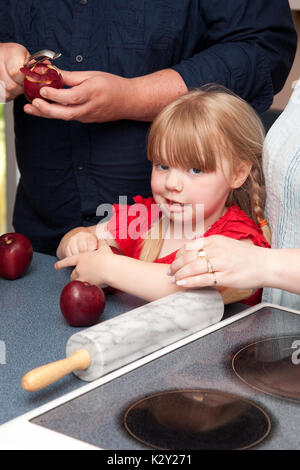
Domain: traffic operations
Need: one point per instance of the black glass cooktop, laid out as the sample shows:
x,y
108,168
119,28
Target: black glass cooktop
x,y
200,395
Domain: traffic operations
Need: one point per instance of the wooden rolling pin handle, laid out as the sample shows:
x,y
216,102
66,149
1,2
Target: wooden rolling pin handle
x,y
45,375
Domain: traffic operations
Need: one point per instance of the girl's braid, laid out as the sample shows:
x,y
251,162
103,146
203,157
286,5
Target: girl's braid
x,y
258,200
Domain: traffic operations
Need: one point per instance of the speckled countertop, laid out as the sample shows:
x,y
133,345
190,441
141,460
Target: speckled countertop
x,y
33,332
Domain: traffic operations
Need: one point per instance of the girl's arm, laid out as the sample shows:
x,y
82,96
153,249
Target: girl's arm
x,y
142,279
148,281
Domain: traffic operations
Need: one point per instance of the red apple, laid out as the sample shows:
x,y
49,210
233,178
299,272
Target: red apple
x,y
39,75
15,255
82,303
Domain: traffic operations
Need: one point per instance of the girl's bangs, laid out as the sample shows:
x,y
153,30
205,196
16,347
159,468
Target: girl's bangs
x,y
178,143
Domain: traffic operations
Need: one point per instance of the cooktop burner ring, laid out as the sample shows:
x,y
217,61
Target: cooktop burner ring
x,y
197,419
265,366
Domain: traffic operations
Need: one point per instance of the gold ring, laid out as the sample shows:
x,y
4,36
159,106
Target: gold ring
x,y
209,266
215,278
202,254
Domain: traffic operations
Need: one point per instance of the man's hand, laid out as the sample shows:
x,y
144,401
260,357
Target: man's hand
x,y
12,57
95,96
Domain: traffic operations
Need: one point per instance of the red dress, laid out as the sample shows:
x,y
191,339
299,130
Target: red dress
x,y
129,223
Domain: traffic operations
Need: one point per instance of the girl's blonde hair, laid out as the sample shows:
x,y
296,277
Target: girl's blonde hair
x,y
197,131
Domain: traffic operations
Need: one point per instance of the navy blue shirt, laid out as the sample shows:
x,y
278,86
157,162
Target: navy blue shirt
x,y
68,168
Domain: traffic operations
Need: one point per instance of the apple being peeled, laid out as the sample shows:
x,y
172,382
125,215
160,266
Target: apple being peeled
x,y
15,255
82,303
39,75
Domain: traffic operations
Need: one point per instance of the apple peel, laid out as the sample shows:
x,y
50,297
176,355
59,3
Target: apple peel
x,y
39,75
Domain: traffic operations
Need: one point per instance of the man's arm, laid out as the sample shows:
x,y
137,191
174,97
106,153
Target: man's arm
x,y
250,49
102,97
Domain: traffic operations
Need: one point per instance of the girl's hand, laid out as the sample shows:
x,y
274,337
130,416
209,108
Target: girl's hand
x,y
93,267
236,264
80,241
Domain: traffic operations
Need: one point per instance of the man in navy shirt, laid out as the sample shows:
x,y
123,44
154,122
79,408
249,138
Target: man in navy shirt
x,y
123,61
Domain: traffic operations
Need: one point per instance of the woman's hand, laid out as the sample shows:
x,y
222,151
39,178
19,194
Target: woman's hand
x,y
236,264
12,58
93,97
92,267
77,241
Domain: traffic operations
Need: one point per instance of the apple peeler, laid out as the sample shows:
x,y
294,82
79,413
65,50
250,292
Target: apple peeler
x,y
42,55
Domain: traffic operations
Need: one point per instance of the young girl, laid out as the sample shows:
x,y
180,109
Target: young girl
x,y
205,150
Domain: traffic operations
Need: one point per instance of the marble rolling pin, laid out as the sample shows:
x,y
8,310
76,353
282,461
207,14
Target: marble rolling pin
x,y
107,346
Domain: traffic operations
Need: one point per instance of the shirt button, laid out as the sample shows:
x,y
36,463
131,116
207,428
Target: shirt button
x,y
79,58
80,167
83,2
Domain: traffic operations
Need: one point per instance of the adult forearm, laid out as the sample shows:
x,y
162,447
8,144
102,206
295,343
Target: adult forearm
x,y
151,93
282,269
